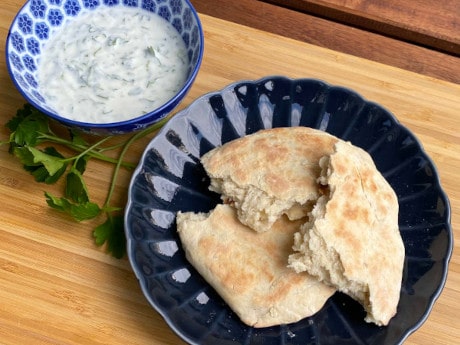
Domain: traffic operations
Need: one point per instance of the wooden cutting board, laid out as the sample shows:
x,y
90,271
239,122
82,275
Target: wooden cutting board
x,y
56,287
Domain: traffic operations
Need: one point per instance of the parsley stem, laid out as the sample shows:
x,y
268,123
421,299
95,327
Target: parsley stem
x,y
110,148
88,150
126,146
30,132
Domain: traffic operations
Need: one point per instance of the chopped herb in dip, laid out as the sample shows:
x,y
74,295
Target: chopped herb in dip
x,y
112,64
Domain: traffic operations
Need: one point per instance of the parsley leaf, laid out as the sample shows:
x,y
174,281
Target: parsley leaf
x,y
50,162
80,163
31,141
76,187
46,166
78,211
112,233
76,138
27,126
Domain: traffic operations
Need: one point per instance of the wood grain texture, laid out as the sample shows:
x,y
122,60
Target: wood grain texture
x,y
435,24
58,288
330,34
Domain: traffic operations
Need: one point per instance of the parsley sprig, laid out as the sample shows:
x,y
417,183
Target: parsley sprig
x,y
33,142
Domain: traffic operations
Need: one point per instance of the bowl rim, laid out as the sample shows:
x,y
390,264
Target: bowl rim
x,y
163,109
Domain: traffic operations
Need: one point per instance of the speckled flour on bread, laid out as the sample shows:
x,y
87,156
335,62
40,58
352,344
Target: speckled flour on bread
x,y
352,240
269,173
249,269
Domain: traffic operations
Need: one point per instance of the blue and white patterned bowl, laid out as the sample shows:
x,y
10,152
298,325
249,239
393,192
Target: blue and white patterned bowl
x,y
38,20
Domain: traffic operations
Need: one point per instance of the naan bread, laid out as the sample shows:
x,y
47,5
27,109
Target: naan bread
x,y
249,269
352,241
269,173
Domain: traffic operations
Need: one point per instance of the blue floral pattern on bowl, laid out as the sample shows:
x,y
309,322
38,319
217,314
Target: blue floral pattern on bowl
x,y
38,20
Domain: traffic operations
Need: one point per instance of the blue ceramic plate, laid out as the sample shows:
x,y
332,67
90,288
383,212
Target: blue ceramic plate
x,y
170,178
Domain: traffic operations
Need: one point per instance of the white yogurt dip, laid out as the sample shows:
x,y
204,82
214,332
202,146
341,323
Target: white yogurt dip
x,y
112,64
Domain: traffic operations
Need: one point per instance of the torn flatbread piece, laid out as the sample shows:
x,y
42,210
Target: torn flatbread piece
x,y
269,173
352,240
249,269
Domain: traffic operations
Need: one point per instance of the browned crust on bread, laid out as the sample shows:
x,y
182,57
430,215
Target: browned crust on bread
x,y
352,241
248,269
269,173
